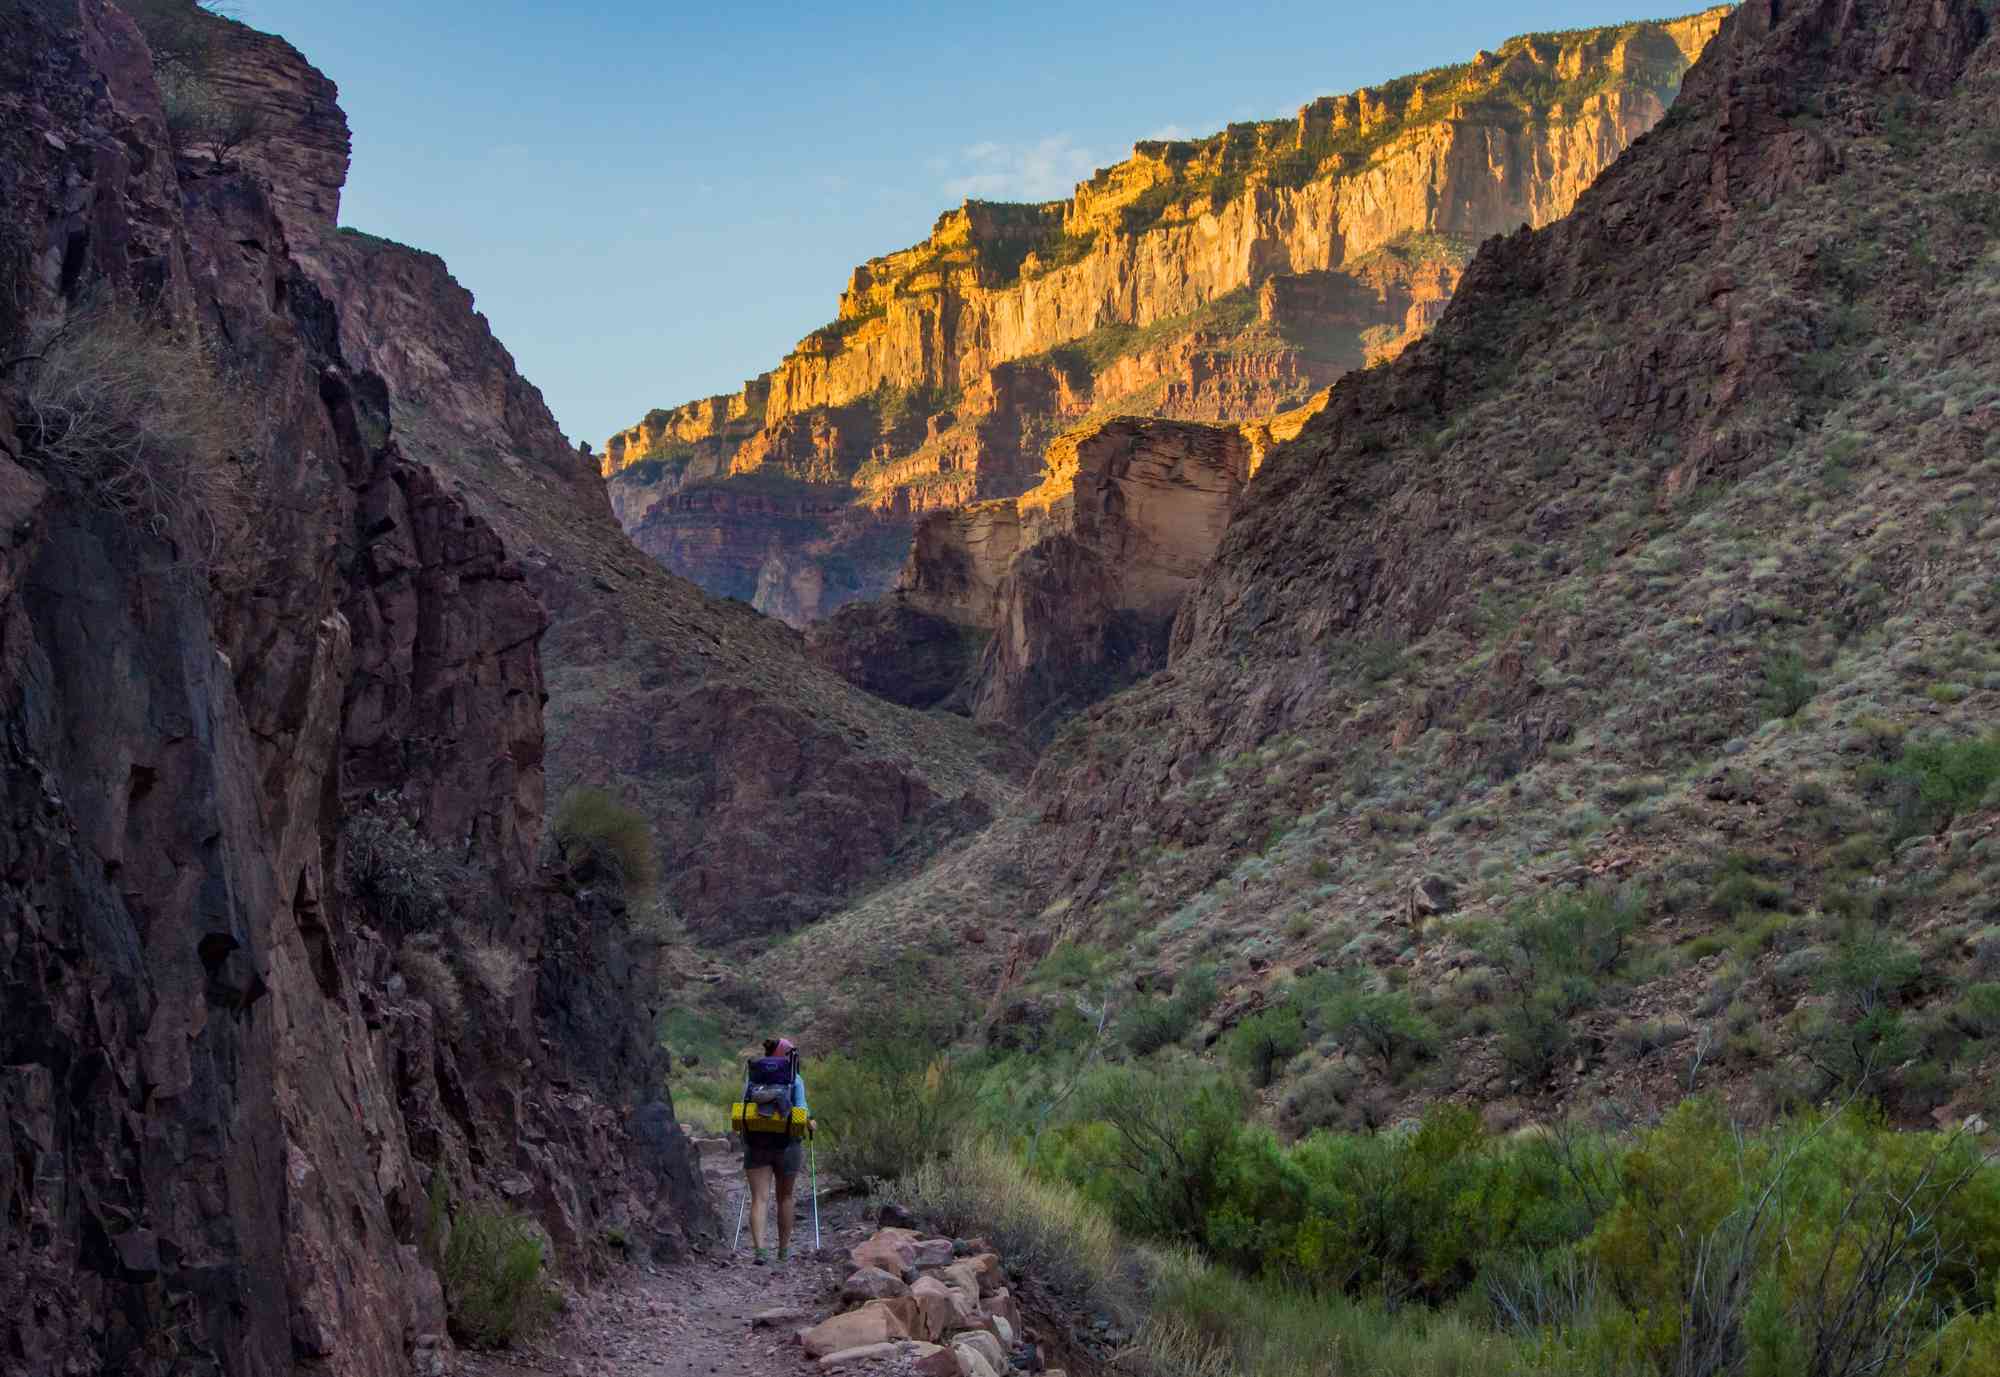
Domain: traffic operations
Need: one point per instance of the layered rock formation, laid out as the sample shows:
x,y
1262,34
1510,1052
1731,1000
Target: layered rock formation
x,y
227,1104
1021,610
1215,280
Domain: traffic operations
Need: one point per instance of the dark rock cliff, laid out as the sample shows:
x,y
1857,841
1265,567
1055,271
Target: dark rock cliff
x,y
223,1101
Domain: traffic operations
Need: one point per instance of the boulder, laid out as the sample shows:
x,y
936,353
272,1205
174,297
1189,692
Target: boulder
x,y
886,1352
872,1283
962,1277
1001,1303
944,1309
1001,1330
871,1324
894,1216
972,1363
988,1274
934,1252
892,1250
890,1351
782,1317
986,1346
941,1362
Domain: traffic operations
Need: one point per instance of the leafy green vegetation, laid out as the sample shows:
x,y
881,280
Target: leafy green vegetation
x,y
496,1286
1935,781
1831,1244
592,827
892,1102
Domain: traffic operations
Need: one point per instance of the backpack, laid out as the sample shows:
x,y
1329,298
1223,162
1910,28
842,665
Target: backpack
x,y
771,1086
767,1111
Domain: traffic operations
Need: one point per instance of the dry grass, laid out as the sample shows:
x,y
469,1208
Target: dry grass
x,y
145,421
1045,1228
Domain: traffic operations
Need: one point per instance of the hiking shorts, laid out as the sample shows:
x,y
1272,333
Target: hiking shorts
x,y
785,1156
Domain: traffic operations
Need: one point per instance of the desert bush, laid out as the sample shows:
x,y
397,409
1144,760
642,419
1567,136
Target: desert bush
x,y
1860,1032
201,119
1265,1041
1071,965
1147,1145
1788,686
591,827
431,978
496,1287
1153,1023
142,420
1935,781
1832,1248
1384,1025
405,883
893,1103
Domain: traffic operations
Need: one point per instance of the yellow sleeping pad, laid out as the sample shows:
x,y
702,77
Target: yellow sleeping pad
x,y
744,1117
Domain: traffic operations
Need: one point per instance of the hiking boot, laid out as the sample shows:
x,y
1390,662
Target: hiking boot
x,y
760,1259
784,1252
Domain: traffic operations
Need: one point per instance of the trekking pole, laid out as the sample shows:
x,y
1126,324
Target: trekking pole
x,y
812,1151
737,1237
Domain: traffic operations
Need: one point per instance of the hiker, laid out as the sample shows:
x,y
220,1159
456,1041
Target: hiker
x,y
774,1155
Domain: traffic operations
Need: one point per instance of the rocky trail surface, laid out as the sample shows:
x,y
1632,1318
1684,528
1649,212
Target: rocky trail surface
x,y
887,1290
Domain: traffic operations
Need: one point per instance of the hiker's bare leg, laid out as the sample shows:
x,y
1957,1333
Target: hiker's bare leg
x,y
785,1184
760,1196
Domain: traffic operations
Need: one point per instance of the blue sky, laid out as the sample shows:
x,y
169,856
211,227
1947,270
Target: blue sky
x,y
653,202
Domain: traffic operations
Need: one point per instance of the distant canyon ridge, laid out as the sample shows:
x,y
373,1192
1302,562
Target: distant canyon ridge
x,y
1216,280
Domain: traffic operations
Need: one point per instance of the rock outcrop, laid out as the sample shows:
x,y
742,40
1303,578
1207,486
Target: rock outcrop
x,y
1066,593
1216,280
227,1102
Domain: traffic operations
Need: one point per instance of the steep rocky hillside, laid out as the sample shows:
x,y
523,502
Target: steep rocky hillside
x,y
774,788
1664,564
1216,279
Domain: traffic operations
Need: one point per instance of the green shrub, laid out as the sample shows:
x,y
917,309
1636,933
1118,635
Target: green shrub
x,y
895,1102
1977,1011
1833,1247
1070,965
496,1289
591,827
1264,1042
1534,1037
1384,1025
1147,1144
1935,781
1787,685
1153,1024
1861,1033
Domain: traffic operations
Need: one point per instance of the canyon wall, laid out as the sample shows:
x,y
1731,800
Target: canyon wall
x,y
243,702
1021,610
1216,280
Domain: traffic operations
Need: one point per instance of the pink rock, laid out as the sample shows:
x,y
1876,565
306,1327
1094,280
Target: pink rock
x,y
856,1329
872,1283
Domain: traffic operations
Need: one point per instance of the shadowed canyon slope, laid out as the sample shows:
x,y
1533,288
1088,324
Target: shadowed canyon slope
x,y
1660,564
1216,280
294,653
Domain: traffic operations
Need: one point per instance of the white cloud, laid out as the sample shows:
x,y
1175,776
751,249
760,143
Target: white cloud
x,y
1041,171
1170,133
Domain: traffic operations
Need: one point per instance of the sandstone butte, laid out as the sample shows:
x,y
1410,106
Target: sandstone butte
x,y
1217,279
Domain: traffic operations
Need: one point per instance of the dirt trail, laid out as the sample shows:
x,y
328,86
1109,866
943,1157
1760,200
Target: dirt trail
x,y
695,1320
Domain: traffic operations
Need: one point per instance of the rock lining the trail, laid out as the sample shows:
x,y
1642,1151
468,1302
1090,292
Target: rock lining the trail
x,y
953,1315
